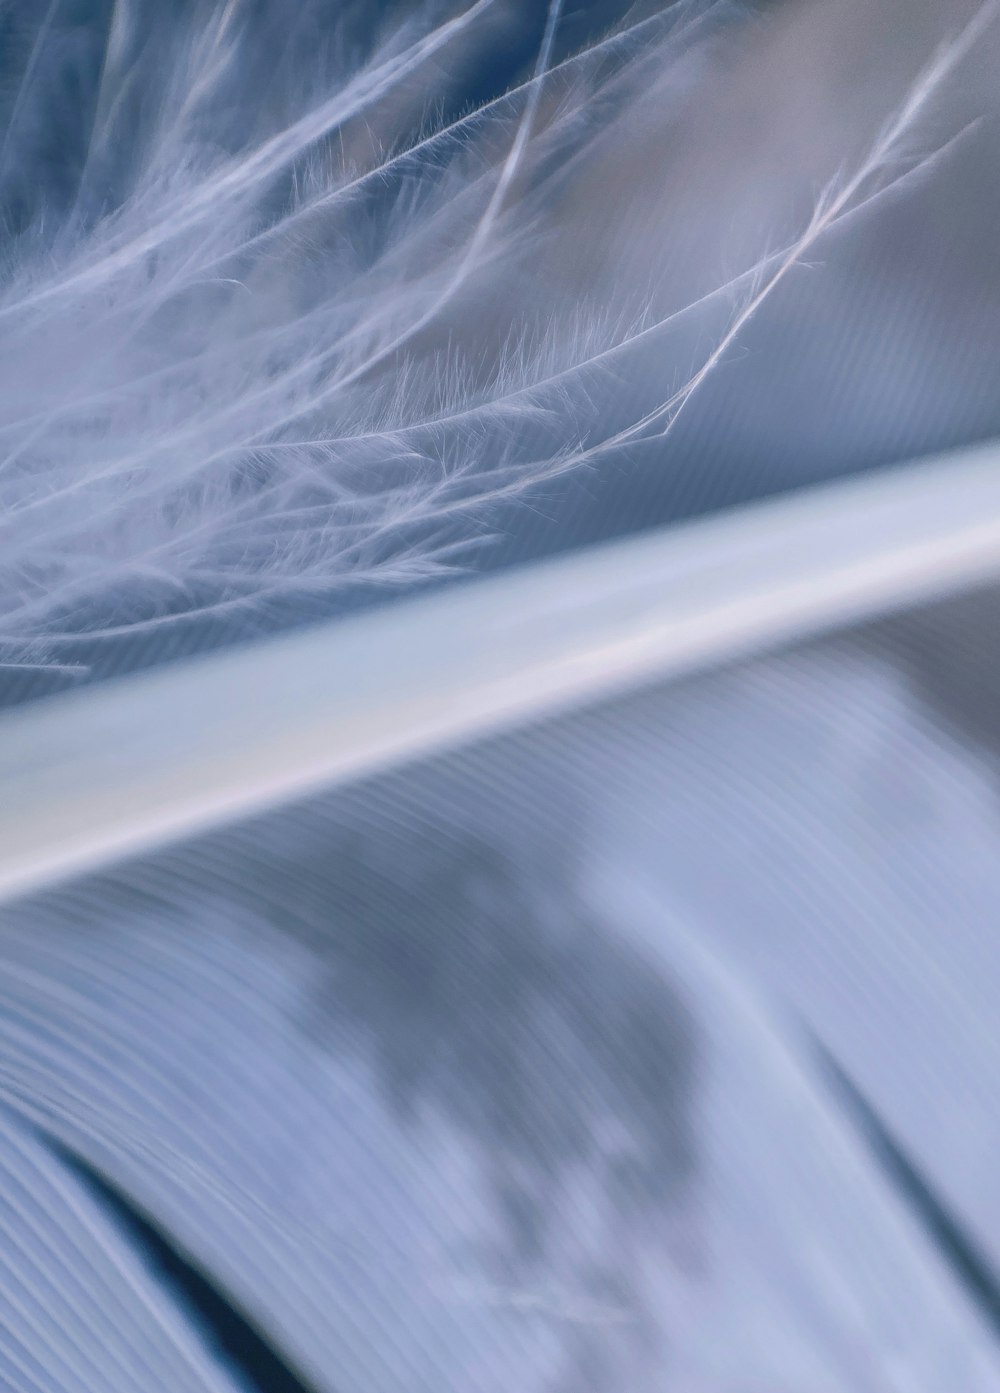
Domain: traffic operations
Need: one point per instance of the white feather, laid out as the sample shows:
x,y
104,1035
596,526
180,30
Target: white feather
x,y
231,372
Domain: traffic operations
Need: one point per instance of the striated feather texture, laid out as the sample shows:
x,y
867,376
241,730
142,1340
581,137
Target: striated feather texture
x,y
645,1049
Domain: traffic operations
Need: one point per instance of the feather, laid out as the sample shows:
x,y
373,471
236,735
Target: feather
x,y
236,371
110,773
487,1073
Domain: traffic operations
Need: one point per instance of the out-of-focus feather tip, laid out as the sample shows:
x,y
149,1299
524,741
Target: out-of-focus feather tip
x,y
236,367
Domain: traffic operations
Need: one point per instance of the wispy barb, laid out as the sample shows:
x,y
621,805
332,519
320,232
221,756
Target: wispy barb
x,y
229,371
